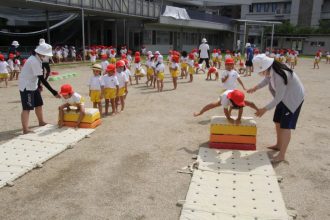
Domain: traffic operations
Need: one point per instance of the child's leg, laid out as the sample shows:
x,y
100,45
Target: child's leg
x,y
207,107
106,106
81,115
6,81
158,85
136,79
99,104
161,85
122,102
155,80
130,80
95,104
113,105
61,114
175,83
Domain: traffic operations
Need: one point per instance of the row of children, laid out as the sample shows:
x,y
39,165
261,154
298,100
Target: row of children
x,y
11,68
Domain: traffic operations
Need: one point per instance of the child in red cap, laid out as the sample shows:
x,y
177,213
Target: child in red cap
x,y
191,66
184,64
138,69
229,100
71,99
174,70
317,59
230,76
212,70
11,65
4,66
104,63
111,88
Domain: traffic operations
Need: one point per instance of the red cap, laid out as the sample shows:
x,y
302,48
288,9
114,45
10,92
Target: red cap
x,y
196,65
129,52
256,51
111,68
120,63
137,59
137,53
214,50
175,58
237,97
24,61
66,89
113,52
219,51
229,61
176,53
123,56
212,69
191,56
11,56
2,58
126,62
104,56
227,51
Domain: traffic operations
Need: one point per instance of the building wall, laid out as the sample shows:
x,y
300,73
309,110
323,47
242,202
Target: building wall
x,y
314,43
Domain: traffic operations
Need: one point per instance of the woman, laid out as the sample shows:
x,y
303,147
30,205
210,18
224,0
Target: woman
x,y
288,93
28,85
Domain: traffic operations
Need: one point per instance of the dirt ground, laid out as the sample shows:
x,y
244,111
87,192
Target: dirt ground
x,y
127,169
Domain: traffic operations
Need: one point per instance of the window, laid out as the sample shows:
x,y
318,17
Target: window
x,y
274,7
258,6
251,8
313,43
266,7
163,37
321,44
147,37
171,37
154,37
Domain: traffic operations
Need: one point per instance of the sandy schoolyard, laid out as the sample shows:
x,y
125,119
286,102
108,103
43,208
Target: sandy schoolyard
x,y
127,169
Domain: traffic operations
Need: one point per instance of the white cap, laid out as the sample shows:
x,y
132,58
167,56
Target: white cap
x,y
160,58
261,62
42,41
157,53
204,40
15,43
149,52
247,45
44,49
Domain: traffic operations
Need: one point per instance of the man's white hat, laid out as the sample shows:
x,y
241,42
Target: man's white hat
x,y
42,41
15,43
44,49
247,45
204,40
261,62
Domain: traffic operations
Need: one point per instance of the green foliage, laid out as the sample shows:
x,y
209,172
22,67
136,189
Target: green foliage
x,y
289,29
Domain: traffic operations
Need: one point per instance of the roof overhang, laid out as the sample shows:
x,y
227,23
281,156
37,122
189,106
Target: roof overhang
x,y
212,3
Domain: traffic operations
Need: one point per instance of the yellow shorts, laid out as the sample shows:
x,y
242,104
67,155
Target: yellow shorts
x,y
137,73
184,65
175,73
95,95
121,92
150,71
214,60
4,75
160,76
113,60
191,70
110,93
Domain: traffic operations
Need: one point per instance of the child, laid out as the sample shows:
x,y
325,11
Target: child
x,y
71,98
96,87
104,63
174,70
113,57
93,57
160,69
219,58
327,57
291,59
212,70
128,72
242,67
317,60
191,67
230,76
111,88
4,66
123,81
129,58
17,68
138,69
214,57
229,100
10,62
228,55
184,65
150,70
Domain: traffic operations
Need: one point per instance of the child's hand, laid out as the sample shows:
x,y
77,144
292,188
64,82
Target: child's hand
x,y
260,112
238,121
252,90
232,121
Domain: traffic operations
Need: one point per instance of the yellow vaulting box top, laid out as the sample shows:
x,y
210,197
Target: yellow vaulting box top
x,y
222,120
91,115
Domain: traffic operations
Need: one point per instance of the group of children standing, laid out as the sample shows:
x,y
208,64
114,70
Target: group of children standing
x,y
10,69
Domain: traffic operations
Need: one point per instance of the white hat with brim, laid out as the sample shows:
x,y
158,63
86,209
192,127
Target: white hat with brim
x,y
15,43
97,67
261,62
42,41
44,49
204,40
247,45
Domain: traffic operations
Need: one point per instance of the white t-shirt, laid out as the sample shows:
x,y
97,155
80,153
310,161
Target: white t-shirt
x,y
73,100
150,63
175,65
95,83
190,62
232,79
110,81
215,55
224,101
11,64
28,79
227,56
184,59
122,79
204,50
160,68
4,67
17,65
104,65
93,58
128,73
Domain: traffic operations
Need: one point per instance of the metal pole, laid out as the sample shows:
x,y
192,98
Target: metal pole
x,y
262,39
272,39
83,33
47,23
244,37
124,31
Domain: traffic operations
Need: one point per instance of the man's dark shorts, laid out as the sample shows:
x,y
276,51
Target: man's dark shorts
x,y
31,99
248,63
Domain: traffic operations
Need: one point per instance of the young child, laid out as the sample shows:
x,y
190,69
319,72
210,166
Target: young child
x,y
230,76
129,58
174,70
242,67
214,56
111,89
291,59
212,70
138,69
150,69
17,68
104,63
96,87
184,64
219,58
327,57
4,66
123,81
93,57
317,60
191,67
230,100
113,56
160,69
10,62
228,54
71,99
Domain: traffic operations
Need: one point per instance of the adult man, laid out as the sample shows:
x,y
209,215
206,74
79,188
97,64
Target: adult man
x,y
28,85
204,53
249,58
